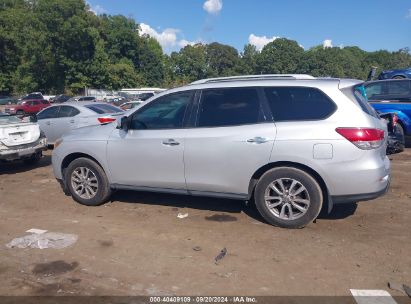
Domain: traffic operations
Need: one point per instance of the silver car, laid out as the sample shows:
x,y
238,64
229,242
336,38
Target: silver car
x,y
60,119
293,143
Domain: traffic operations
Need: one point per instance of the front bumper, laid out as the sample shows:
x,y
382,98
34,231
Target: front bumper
x,y
23,151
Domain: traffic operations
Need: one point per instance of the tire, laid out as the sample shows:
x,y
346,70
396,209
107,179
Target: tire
x,y
398,77
308,197
34,159
85,170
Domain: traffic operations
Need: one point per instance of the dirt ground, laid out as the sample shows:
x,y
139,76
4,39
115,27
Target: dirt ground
x,y
136,245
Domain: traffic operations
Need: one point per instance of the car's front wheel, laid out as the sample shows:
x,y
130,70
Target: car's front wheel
x,y
288,197
87,182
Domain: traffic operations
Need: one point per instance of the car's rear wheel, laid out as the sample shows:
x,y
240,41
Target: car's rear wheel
x,y
398,77
87,182
288,197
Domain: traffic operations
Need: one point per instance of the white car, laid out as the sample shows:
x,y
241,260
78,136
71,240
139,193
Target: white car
x,y
20,140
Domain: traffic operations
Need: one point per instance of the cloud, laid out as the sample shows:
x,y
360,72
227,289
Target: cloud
x,y
97,9
260,41
168,38
213,6
327,43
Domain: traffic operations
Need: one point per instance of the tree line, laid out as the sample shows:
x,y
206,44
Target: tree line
x,y
57,46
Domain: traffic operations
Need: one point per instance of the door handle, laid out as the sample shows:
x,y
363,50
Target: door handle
x,y
170,142
257,140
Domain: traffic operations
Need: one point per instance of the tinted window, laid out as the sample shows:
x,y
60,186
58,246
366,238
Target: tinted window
x,y
298,103
50,112
375,90
166,112
103,108
45,102
66,111
36,102
399,88
229,107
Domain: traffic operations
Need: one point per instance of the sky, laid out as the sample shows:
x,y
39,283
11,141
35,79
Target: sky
x,y
370,24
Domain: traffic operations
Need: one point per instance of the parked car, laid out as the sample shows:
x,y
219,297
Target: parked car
x,y
293,142
31,96
27,107
392,96
83,98
20,140
57,120
395,74
60,98
396,138
130,105
7,100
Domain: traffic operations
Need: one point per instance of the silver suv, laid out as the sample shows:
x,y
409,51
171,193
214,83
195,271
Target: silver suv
x,y
293,143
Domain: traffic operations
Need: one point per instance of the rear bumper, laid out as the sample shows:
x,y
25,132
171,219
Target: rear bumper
x,y
23,151
353,198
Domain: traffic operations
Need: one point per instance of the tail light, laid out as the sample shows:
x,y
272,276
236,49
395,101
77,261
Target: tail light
x,y
394,119
363,138
105,120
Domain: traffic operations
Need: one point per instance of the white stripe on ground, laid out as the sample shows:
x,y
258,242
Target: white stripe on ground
x,y
363,296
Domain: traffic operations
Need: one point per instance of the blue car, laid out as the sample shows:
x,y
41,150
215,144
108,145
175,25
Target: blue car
x,y
396,74
392,96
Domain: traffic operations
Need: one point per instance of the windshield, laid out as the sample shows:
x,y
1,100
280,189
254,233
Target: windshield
x,y
103,108
5,120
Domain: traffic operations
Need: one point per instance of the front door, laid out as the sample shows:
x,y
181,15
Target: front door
x,y
150,153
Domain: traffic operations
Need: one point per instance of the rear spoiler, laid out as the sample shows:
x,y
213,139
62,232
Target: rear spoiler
x,y
345,83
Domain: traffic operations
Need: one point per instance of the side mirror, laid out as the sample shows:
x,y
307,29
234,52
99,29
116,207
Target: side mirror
x,y
33,118
122,123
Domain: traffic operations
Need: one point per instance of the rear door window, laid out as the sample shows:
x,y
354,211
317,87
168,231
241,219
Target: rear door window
x,y
298,103
229,107
399,89
67,111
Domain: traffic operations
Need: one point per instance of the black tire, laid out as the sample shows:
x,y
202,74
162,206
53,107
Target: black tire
x,y
398,77
34,159
312,189
103,191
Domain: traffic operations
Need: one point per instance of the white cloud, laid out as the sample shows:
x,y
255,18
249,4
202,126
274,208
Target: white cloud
x,y
97,9
213,6
260,41
168,38
327,43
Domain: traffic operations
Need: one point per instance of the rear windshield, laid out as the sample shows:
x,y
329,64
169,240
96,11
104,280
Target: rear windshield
x,y
103,108
358,95
5,120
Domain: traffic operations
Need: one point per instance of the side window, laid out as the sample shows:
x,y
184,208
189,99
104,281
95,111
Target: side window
x,y
399,88
229,107
45,102
166,112
35,102
374,91
299,103
48,113
67,111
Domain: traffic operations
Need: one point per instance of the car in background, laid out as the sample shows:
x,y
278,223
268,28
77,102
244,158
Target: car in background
x,y
130,105
60,119
395,74
82,98
7,100
20,140
31,96
293,143
27,107
392,96
60,98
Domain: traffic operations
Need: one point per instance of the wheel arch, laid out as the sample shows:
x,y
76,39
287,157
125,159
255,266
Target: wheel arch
x,y
260,172
71,157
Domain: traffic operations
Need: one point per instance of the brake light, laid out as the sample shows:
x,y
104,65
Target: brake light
x,y
363,138
105,120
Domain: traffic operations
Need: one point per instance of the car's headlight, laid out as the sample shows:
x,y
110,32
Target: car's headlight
x,y
58,143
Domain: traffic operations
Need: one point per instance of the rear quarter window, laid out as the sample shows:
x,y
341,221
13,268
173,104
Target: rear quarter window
x,y
299,103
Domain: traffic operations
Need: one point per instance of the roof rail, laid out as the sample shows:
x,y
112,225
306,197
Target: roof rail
x,y
256,77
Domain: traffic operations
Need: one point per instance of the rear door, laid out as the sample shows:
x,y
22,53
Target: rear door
x,y
47,120
231,139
